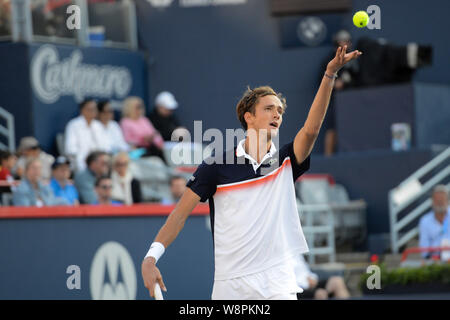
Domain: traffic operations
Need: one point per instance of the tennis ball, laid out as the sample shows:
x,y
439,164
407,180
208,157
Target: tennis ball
x,y
360,19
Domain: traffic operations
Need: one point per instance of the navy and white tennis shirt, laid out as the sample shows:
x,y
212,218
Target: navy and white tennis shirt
x,y
253,209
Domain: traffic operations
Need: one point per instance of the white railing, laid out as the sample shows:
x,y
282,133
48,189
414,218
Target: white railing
x,y
308,211
7,131
410,191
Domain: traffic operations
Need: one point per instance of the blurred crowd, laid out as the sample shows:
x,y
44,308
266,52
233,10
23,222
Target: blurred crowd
x,y
93,166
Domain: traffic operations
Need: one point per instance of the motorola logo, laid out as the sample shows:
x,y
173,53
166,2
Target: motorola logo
x,y
112,275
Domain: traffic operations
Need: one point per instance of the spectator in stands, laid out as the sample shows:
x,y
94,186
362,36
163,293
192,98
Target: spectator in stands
x,y
177,187
32,191
7,163
333,287
5,17
163,116
29,148
138,130
84,134
111,128
98,165
126,188
103,187
434,226
346,79
61,185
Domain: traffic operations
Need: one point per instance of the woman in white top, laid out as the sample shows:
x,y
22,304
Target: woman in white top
x,y
112,130
126,188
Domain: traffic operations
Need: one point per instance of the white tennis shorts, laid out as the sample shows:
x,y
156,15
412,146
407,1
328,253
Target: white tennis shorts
x,y
276,283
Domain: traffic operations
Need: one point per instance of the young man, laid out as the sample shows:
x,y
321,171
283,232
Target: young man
x,y
256,228
61,185
103,188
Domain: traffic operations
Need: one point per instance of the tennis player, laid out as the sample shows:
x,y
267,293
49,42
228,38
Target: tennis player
x,y
256,228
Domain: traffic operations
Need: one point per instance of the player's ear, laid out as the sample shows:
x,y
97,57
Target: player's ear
x,y
248,117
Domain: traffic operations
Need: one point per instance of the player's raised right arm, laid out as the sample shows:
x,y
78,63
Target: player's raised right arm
x,y
166,235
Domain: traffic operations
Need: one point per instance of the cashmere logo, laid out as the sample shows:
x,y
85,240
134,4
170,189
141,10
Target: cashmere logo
x,y
52,77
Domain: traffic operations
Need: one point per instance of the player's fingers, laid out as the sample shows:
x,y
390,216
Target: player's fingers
x,y
161,284
338,51
355,54
151,289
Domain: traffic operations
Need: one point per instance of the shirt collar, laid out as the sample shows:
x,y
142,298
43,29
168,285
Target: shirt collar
x,y
240,152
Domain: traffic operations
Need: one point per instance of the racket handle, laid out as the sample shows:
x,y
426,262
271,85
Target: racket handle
x,y
158,293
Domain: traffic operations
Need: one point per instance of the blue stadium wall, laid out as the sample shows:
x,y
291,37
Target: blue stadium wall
x,y
207,55
108,250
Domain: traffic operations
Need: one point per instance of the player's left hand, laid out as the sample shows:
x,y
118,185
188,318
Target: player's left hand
x,y
341,58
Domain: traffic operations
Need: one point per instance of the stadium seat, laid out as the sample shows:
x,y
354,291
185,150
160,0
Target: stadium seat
x,y
154,177
349,215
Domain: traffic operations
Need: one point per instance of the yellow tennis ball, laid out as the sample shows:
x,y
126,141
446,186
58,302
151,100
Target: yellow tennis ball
x,y
361,19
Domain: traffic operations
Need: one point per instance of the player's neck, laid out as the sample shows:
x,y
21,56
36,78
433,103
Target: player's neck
x,y
257,148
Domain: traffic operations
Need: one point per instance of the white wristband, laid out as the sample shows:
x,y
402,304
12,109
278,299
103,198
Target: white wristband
x,y
156,251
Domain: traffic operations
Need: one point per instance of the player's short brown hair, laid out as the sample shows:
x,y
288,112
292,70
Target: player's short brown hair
x,y
250,99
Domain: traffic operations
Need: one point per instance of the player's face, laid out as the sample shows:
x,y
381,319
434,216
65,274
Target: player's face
x,y
268,115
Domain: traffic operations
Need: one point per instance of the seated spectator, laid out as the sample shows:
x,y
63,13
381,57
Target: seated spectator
x,y
97,166
103,188
433,226
32,191
163,117
111,128
126,188
84,134
177,187
333,287
29,148
61,185
138,130
7,163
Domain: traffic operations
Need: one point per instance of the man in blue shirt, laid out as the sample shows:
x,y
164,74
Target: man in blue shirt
x,y
60,184
433,226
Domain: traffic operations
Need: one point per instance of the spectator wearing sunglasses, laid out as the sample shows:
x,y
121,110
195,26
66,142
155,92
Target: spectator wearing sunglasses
x,y
103,188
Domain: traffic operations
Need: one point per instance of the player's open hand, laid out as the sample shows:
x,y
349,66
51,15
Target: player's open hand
x,y
151,275
341,58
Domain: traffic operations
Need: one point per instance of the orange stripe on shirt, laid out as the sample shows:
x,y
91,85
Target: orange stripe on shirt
x,y
253,183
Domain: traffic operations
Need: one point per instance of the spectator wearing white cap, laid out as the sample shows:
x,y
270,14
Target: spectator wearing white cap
x,y
163,117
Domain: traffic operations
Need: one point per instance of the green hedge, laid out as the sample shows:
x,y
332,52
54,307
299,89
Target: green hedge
x,y
434,273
